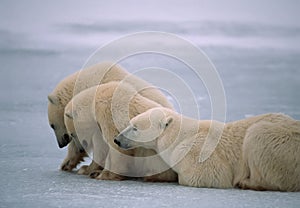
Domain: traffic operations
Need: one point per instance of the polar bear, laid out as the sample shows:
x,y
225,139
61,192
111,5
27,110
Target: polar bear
x,y
95,116
81,80
259,153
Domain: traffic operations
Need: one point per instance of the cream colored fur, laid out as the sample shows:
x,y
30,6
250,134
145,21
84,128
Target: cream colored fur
x,y
96,115
259,153
70,86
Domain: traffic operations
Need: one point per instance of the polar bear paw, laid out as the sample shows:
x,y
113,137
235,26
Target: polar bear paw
x,y
70,163
248,184
95,173
83,170
107,175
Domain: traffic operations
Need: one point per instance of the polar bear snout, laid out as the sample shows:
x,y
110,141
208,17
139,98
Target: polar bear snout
x,y
117,142
122,142
64,141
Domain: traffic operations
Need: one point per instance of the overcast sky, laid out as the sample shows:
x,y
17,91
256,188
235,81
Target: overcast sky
x,y
35,22
27,14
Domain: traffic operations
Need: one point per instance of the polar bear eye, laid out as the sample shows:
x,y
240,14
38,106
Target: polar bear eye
x,y
134,128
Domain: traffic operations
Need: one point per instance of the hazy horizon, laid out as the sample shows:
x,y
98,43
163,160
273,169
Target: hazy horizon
x,y
87,25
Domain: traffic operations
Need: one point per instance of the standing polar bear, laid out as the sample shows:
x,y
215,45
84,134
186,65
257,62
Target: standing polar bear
x,y
96,115
70,86
260,153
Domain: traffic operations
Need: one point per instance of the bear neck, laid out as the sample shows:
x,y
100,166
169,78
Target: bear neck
x,y
140,104
65,89
181,128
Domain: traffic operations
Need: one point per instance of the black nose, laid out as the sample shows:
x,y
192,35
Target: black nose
x,y
117,142
64,141
67,139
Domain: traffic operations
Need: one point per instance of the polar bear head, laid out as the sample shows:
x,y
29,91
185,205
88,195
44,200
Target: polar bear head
x,y
70,123
56,120
145,129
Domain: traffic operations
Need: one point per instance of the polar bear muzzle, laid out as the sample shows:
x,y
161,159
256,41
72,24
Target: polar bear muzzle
x,y
122,142
64,141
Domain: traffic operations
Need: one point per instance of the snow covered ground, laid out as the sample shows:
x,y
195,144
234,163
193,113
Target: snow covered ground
x,y
257,62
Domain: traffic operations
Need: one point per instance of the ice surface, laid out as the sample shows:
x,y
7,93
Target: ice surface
x,y
30,178
29,156
258,64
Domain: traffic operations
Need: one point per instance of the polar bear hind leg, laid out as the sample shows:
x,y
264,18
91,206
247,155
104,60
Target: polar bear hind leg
x,y
272,153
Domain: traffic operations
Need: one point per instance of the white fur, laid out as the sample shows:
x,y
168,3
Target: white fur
x,y
98,74
97,115
259,153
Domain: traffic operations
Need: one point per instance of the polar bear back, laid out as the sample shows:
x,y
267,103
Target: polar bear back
x,y
106,72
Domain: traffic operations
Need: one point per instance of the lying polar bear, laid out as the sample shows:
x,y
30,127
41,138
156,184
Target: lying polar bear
x,y
260,153
95,116
70,86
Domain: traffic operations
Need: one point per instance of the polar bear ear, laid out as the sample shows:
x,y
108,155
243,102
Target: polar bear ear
x,y
166,122
53,99
69,115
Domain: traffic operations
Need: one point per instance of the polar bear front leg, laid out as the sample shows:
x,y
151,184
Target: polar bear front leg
x,y
166,176
73,158
107,175
100,151
116,166
88,169
99,157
